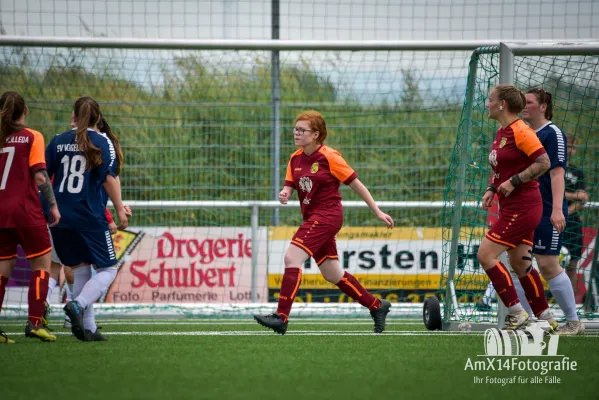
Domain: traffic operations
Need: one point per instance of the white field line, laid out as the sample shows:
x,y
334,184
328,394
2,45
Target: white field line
x,y
220,322
321,320
107,323
292,333
289,333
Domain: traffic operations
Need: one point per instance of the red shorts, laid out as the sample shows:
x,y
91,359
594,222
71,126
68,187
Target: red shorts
x,y
516,226
317,238
35,241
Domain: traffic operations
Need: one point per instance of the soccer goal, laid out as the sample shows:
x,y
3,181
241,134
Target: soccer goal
x,y
570,71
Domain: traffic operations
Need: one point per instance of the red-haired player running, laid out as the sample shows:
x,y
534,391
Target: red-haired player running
x,y
518,159
316,171
22,175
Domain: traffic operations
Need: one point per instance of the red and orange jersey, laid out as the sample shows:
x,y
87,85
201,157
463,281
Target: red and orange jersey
x,y
514,149
21,156
317,178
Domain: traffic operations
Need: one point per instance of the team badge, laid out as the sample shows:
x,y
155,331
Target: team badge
x,y
305,184
314,168
503,142
493,158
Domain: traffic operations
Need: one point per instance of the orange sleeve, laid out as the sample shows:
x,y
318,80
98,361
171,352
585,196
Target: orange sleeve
x,y
37,154
339,168
289,175
527,140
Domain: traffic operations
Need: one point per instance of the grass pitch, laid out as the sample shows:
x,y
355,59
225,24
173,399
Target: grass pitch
x,y
316,359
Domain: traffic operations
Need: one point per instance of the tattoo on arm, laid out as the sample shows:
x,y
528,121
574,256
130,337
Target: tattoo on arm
x,y
537,168
45,187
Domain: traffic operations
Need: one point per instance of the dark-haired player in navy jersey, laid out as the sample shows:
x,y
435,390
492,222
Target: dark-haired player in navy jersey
x,y
549,234
83,162
57,266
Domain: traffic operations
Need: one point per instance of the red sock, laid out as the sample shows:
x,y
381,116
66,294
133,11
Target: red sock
x,y
351,287
502,281
291,282
3,282
535,292
38,290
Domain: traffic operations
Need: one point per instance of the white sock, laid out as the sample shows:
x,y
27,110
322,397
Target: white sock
x,y
545,315
490,294
93,289
89,319
515,309
82,275
51,286
561,288
69,290
522,295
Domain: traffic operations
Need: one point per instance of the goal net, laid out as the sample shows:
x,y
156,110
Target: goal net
x,y
573,80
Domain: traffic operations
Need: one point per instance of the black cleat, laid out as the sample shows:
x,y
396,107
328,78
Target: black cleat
x,y
272,321
379,316
94,337
75,313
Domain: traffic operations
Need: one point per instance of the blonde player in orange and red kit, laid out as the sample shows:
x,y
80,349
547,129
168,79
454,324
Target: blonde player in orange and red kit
x,y
316,171
517,158
22,175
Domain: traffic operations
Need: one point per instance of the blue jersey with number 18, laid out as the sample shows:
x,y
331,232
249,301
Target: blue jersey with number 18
x,y
78,189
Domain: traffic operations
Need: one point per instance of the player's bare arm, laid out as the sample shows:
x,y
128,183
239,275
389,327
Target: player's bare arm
x,y
128,210
363,192
577,198
536,169
540,165
558,188
285,194
579,195
487,198
112,187
44,185
489,194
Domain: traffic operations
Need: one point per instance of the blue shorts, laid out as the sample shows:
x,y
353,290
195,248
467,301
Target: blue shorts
x,y
547,240
90,247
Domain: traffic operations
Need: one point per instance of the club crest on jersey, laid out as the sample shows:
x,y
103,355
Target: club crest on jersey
x,y
305,184
493,158
503,142
314,168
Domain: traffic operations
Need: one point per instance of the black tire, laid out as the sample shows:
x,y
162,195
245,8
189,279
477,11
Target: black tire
x,y
431,313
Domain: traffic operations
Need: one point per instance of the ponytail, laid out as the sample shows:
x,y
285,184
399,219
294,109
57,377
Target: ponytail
x,y
87,112
12,107
523,98
120,159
